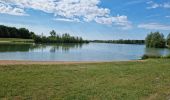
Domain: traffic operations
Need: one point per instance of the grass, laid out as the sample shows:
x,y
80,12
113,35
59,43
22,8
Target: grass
x,y
15,40
136,80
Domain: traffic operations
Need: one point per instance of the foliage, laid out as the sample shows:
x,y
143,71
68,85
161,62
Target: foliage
x,y
168,40
12,32
53,33
155,40
168,56
145,56
150,56
55,38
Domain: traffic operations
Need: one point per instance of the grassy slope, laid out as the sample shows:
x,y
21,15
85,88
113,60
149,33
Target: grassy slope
x,y
15,40
145,80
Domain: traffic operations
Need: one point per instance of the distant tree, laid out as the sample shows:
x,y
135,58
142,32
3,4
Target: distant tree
x,y
53,33
4,31
56,38
12,32
24,33
155,40
32,35
168,40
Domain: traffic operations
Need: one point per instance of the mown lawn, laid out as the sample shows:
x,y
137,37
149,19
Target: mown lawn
x,y
138,80
15,40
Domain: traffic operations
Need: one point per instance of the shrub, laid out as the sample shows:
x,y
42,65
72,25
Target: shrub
x,y
150,56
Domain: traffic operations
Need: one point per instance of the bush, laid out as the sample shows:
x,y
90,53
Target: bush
x,y
167,56
150,56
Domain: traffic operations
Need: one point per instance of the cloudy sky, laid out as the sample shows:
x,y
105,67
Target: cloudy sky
x,y
91,19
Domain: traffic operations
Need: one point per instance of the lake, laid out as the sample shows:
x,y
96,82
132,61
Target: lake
x,y
77,52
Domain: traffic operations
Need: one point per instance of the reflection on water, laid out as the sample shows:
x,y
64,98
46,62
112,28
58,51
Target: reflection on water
x,y
64,47
77,52
16,47
157,51
31,47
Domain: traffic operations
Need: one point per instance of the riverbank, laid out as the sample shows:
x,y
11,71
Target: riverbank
x,y
16,40
129,80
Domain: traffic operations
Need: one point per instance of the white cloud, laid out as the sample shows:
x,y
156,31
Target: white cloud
x,y
117,20
166,5
154,5
167,16
67,20
122,21
69,10
104,20
4,8
154,26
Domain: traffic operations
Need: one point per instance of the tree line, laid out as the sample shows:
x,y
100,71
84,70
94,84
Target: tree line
x,y
120,41
13,32
154,39
56,38
157,40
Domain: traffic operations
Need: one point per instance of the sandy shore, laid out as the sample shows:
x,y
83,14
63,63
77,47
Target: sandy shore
x,y
13,62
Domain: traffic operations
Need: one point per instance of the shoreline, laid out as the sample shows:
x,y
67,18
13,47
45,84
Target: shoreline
x,y
22,62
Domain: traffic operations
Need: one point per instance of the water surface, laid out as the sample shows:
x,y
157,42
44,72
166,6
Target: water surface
x,y
77,52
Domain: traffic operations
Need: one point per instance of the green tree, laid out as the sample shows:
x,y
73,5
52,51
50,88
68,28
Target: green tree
x,y
168,40
148,40
24,33
12,32
53,33
155,40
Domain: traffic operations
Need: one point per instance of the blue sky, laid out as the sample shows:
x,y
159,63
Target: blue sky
x,y
91,19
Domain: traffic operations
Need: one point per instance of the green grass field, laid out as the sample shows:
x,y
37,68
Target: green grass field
x,y
134,80
15,40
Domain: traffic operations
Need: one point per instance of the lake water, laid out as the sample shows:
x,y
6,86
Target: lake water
x,y
77,52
